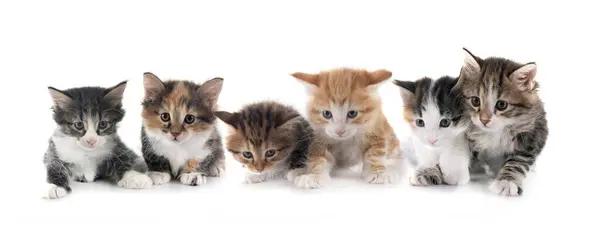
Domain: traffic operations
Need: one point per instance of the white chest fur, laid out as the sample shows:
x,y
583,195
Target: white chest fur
x,y
492,143
85,161
179,153
347,153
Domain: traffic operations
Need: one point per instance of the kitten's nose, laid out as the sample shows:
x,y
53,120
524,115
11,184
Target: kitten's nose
x,y
340,132
432,141
484,121
91,142
175,134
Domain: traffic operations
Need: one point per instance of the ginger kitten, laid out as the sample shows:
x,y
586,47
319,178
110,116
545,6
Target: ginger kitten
x,y
344,109
179,133
268,138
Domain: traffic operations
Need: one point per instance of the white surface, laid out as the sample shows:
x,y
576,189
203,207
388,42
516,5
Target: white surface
x,y
254,45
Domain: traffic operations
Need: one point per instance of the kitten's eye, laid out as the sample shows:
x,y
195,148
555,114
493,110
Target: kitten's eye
x,y
475,101
352,114
78,125
102,125
445,123
327,114
270,153
165,117
420,123
247,155
189,119
501,105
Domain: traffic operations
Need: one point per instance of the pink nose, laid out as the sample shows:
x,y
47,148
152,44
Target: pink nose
x,y
340,132
432,141
90,142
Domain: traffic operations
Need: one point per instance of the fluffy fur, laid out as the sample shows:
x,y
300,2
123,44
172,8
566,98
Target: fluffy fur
x,y
508,116
268,138
179,134
434,111
344,109
85,145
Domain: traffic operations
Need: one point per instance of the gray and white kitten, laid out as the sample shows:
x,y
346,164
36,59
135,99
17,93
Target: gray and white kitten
x,y
85,145
435,113
179,133
508,116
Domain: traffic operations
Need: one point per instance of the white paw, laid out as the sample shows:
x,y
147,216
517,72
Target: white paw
x,y
159,178
417,180
193,179
135,180
252,178
459,178
292,174
381,178
311,181
505,188
54,192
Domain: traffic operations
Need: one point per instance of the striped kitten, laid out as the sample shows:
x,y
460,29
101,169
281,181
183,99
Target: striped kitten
x,y
85,146
344,109
434,111
179,133
508,117
268,138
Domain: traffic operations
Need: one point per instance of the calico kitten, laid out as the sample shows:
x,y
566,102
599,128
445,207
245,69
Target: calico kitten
x,y
508,117
268,138
179,133
85,145
344,109
434,111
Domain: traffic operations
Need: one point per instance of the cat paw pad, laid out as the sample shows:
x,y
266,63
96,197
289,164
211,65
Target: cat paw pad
x,y
311,181
54,192
135,180
505,188
159,178
193,179
381,178
253,179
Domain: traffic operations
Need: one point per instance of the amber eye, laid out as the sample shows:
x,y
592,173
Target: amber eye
x,y
270,153
352,114
247,155
165,117
189,119
501,105
78,125
327,114
102,125
475,101
420,123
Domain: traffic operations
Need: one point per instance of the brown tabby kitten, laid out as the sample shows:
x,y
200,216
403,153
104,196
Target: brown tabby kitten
x,y
268,138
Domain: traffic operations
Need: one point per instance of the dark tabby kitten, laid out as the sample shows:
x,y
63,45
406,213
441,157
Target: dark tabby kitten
x,y
508,117
270,139
434,111
179,133
85,144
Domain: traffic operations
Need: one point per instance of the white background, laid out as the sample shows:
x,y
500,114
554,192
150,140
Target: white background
x,y
255,45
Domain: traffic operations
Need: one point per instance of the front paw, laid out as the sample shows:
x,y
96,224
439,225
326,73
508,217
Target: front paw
x,y
506,188
252,178
385,177
54,192
193,178
426,177
458,178
217,170
85,178
135,180
312,181
292,174
159,178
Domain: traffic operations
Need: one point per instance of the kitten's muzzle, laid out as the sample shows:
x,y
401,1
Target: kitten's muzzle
x,y
91,142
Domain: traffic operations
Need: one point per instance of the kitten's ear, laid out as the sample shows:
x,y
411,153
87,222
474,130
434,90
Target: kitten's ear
x,y
310,81
471,65
59,98
210,91
231,119
524,77
114,95
285,120
407,91
153,86
379,76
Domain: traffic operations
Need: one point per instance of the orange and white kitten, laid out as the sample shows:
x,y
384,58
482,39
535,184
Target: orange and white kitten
x,y
344,109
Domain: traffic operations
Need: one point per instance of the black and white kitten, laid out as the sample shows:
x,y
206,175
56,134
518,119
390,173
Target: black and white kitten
x,y
435,113
85,145
508,116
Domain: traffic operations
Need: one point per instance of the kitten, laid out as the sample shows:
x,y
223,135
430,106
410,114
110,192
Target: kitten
x,y
179,133
85,145
269,139
508,117
434,111
344,109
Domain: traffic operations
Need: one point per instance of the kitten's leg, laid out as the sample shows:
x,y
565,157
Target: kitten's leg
x,y
128,169
158,168
318,168
454,166
428,171
57,177
377,167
